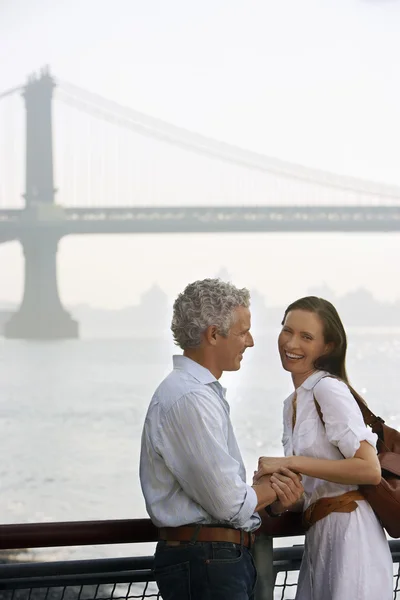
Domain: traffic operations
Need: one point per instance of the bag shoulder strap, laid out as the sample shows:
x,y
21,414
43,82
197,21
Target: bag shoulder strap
x,y
369,417
319,411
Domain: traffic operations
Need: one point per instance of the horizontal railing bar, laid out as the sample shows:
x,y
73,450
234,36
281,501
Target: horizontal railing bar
x,y
122,531
296,552
110,571
290,553
286,565
77,580
81,533
76,533
67,567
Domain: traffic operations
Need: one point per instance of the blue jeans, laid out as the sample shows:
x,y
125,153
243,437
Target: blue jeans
x,y
204,571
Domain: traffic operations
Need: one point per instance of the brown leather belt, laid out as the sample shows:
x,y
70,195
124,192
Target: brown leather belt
x,y
323,507
186,533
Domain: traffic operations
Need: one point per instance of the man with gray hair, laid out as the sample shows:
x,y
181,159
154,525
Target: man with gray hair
x,y
191,471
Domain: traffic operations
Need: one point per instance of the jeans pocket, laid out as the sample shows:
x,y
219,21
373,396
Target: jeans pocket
x,y
230,555
173,581
232,577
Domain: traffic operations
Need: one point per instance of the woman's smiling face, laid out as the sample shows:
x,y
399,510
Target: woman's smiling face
x,y
301,342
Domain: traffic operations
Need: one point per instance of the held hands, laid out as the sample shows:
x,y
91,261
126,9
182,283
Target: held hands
x,y
269,465
286,484
288,487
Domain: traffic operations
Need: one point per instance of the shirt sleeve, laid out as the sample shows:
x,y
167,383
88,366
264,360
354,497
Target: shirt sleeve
x,y
344,423
192,441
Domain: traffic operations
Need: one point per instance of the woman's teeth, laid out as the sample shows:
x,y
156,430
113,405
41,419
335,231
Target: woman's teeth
x,y
293,356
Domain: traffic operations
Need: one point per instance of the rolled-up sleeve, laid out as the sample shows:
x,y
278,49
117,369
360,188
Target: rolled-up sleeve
x,y
193,444
344,424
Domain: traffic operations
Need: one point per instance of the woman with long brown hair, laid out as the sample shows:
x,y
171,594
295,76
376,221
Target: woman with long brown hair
x,y
326,440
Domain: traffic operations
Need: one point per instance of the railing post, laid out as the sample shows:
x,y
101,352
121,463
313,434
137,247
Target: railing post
x,y
263,558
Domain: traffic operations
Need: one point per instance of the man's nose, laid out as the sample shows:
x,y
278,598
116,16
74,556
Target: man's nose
x,y
249,341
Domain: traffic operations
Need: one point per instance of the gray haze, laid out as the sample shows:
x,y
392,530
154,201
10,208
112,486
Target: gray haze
x,y
314,83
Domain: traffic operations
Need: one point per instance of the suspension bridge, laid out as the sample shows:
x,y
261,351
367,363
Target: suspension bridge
x,y
120,171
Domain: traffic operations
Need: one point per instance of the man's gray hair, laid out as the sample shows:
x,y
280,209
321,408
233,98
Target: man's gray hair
x,y
204,303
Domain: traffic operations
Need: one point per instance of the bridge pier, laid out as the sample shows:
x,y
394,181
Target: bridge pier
x,y
41,314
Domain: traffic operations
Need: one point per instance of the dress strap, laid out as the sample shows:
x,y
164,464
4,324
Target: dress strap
x,y
294,410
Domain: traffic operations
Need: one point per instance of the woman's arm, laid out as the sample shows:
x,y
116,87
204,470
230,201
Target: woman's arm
x,y
345,429
363,468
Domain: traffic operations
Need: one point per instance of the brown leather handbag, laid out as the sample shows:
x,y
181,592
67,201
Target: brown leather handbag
x,y
384,498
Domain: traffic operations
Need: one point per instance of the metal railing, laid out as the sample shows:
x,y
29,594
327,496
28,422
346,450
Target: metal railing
x,y
132,577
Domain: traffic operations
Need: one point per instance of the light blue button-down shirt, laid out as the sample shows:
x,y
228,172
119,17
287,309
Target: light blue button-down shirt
x,y
191,469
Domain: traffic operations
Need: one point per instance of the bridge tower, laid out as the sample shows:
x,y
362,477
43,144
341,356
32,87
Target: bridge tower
x,y
41,314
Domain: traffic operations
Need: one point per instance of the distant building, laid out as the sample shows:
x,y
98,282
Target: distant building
x,y
152,316
5,315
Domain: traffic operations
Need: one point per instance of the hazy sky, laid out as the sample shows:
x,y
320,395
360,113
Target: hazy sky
x,y
315,82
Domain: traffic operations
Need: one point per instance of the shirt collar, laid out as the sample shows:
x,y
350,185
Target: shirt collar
x,y
200,373
313,379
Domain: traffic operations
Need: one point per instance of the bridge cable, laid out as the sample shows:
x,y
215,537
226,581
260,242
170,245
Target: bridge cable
x,y
183,138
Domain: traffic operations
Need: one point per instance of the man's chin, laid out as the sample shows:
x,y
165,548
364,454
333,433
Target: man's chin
x,y
234,367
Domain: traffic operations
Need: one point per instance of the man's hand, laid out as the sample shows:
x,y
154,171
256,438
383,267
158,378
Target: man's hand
x,y
264,492
261,480
288,488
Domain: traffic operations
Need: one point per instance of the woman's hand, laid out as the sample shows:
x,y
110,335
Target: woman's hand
x,y
288,488
269,465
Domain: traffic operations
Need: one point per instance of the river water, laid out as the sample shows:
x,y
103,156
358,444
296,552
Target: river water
x,y
71,415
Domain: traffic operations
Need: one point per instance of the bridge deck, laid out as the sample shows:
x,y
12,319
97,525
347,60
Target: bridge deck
x,y
200,219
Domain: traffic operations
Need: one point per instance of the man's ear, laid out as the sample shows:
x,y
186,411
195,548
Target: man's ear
x,y
210,334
